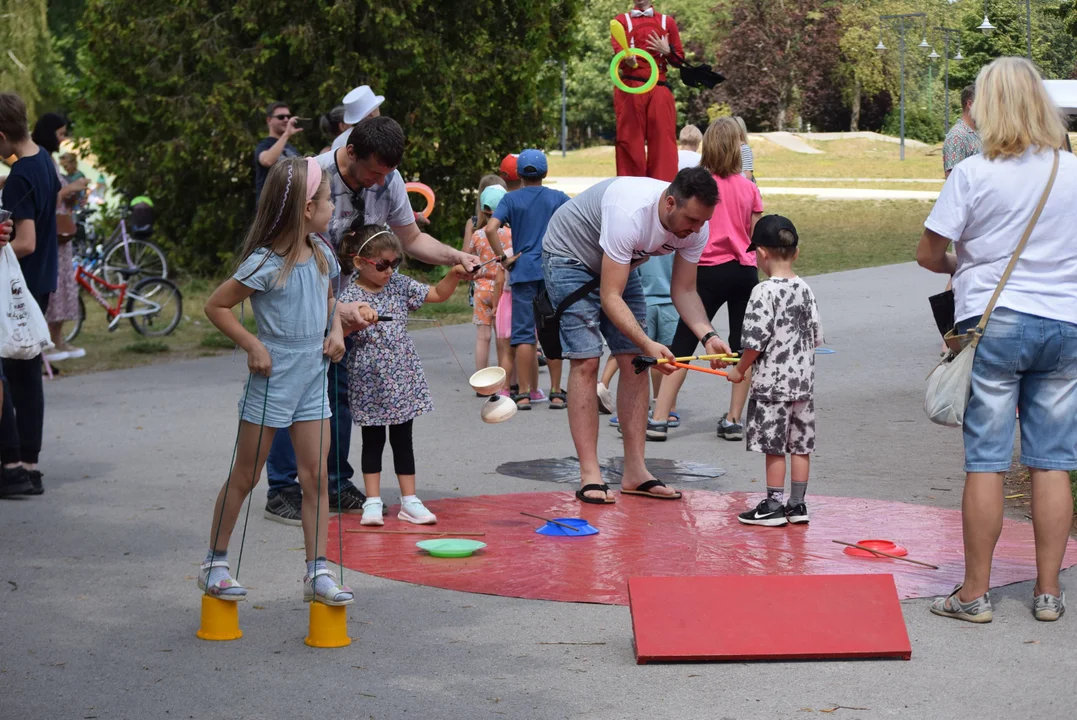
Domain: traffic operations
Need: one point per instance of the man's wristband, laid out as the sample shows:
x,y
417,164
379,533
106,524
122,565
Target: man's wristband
x,y
703,340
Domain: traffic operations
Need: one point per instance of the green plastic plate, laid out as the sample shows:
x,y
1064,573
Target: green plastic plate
x,y
450,547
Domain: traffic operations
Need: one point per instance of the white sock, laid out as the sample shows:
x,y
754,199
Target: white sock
x,y
408,498
374,499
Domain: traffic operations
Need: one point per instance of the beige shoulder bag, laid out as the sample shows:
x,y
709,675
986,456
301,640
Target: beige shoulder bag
x,y
949,383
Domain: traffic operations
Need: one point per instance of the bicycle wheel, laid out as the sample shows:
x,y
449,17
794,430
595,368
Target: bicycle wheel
x,y
148,259
76,325
158,304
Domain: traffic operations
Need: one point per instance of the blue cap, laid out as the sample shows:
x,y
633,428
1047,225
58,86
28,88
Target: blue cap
x,y
491,196
531,164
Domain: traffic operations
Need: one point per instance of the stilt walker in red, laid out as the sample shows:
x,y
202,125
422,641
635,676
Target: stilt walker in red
x,y
647,123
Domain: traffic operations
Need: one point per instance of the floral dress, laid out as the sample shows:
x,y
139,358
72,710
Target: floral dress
x,y
386,384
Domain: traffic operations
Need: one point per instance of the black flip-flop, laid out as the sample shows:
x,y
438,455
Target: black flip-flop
x,y
594,501
643,489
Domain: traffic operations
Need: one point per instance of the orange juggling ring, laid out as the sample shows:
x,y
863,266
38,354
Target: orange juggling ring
x,y
426,192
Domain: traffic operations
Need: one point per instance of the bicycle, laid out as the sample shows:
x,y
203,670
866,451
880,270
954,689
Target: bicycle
x,y
147,302
123,252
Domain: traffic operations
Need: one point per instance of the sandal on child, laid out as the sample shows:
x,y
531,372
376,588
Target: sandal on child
x,y
335,595
223,589
518,397
559,395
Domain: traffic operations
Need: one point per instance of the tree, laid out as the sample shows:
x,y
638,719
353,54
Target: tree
x,y
778,52
174,101
26,59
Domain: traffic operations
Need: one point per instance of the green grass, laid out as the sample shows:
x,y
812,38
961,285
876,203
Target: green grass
x,y
840,159
844,235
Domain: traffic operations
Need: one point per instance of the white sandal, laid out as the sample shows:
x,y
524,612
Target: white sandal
x,y
331,598
219,588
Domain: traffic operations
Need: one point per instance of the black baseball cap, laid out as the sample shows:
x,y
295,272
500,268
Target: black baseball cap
x,y
767,232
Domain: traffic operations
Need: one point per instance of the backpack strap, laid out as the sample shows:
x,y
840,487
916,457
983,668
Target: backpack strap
x,y
578,294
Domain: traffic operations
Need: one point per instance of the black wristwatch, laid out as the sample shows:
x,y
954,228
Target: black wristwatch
x,y
703,340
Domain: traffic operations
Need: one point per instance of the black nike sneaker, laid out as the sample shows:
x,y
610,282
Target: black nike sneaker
x,y
768,513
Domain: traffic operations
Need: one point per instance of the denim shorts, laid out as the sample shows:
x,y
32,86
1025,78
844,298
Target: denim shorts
x,y
583,324
523,312
662,323
1029,364
297,386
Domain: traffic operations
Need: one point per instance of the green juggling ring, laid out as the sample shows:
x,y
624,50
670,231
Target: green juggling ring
x,y
620,84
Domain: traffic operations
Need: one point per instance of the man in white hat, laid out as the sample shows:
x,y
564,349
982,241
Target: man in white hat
x,y
358,104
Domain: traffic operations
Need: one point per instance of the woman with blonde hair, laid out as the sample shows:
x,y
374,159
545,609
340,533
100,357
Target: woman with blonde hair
x,y
1026,360
727,270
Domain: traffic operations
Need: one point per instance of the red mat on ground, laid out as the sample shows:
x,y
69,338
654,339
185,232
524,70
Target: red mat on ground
x,y
698,535
741,617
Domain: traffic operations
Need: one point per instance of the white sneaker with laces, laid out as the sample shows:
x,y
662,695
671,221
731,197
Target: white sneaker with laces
x,y
373,513
413,511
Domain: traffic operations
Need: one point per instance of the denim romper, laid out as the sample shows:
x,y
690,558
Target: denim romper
x,y
291,320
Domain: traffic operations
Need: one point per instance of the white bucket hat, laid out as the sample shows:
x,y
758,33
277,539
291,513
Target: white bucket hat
x,y
359,103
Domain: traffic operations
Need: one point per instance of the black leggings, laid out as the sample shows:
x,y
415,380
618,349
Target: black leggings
x,y
374,444
717,285
23,418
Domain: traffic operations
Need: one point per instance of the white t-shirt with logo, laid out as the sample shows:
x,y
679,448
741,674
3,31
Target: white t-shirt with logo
x,y
618,218
984,208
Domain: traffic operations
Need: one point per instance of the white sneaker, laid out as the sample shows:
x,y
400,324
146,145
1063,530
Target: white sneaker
x,y
413,511
372,513
605,400
74,353
58,355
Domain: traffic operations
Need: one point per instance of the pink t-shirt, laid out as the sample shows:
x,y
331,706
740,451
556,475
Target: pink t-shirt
x,y
731,225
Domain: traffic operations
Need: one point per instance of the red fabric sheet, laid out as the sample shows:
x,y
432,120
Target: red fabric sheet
x,y
698,535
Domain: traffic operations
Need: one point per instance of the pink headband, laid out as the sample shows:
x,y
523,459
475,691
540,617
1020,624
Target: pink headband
x,y
314,177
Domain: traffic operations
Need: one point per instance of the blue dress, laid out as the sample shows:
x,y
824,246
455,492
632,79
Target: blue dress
x,y
292,317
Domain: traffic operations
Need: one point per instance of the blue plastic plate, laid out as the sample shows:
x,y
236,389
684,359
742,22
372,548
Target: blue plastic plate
x,y
585,528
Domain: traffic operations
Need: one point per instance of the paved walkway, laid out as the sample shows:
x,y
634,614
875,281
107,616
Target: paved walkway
x,y
98,603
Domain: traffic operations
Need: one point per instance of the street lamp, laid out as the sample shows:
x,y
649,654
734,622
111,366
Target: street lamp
x,y
901,23
947,32
987,27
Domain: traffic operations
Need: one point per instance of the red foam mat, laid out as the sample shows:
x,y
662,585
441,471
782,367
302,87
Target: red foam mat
x,y
698,535
770,617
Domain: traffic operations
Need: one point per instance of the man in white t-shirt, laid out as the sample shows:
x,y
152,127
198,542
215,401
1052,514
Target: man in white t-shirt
x,y
602,234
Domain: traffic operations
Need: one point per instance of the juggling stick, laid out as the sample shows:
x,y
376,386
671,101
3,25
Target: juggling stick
x,y
414,532
887,555
642,362
553,522
686,366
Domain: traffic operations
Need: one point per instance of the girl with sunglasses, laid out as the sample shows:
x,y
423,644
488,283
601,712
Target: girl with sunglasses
x,y
386,384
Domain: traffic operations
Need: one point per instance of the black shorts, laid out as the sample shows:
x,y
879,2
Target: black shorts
x,y
718,285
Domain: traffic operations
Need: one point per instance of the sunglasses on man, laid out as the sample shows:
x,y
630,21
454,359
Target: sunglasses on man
x,y
281,117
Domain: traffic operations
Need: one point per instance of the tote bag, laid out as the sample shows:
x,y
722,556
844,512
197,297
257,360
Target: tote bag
x,y
24,333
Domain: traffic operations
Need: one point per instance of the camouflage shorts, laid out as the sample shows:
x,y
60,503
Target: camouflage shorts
x,y
778,428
